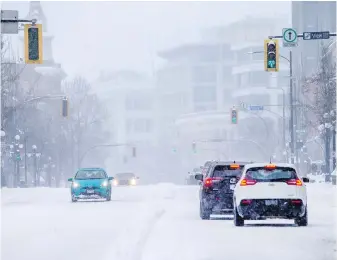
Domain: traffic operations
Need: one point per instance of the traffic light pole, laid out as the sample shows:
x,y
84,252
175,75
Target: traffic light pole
x,y
292,136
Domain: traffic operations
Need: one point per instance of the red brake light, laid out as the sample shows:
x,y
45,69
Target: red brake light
x,y
296,202
208,183
246,202
296,182
246,182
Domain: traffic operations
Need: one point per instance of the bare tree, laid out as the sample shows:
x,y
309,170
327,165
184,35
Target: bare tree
x,y
85,118
320,89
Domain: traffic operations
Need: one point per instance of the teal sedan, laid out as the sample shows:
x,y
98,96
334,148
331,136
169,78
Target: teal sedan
x,y
90,183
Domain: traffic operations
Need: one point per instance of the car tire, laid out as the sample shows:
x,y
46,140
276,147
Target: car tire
x,y
108,197
302,221
238,220
73,199
205,214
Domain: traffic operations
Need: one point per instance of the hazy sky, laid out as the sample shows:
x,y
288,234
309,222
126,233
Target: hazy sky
x,y
91,36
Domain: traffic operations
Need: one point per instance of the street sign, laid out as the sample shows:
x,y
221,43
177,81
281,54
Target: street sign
x,y
289,37
316,35
9,27
255,108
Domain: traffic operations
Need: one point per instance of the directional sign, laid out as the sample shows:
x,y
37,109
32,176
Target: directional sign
x,y
289,37
255,108
316,35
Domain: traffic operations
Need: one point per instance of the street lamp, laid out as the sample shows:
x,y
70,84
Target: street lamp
x,y
36,174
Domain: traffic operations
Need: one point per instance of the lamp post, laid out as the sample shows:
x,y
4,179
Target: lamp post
x,y
36,155
17,146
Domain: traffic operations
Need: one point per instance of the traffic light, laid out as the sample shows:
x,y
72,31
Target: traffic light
x,y
33,44
194,147
234,116
271,55
134,152
65,107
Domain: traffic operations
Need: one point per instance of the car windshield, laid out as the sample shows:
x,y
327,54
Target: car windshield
x,y
221,171
90,174
261,174
125,175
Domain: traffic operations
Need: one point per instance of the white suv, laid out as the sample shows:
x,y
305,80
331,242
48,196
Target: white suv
x,y
270,191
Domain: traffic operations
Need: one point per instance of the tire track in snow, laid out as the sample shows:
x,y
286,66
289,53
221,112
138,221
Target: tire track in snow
x,y
138,254
131,241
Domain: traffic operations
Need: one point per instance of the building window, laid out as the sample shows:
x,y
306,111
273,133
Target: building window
x,y
227,75
259,78
255,100
283,79
202,74
139,126
138,103
205,93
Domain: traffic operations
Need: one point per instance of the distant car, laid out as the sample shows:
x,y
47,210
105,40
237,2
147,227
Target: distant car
x,y
125,179
190,179
270,191
90,183
216,189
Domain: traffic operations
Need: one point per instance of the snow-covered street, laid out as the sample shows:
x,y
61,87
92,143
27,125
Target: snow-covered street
x,y
155,222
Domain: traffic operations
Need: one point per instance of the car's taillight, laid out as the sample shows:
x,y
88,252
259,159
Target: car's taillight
x,y
208,183
246,182
296,202
296,182
246,202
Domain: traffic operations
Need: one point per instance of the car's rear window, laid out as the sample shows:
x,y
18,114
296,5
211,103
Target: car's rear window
x,y
90,174
226,170
261,174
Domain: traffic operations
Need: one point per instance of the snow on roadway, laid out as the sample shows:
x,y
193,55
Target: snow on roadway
x,y
155,222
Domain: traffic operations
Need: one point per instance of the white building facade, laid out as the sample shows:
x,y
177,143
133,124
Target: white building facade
x,y
129,99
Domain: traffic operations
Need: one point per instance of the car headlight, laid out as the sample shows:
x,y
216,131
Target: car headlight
x,y
105,183
75,185
115,182
133,181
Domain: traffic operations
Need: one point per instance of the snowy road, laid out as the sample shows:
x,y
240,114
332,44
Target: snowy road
x,y
156,222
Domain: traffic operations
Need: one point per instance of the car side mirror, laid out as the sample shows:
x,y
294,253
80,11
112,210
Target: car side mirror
x,y
70,179
306,179
110,178
137,178
199,177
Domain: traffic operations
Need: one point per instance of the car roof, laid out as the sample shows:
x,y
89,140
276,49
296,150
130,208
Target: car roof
x,y
230,162
91,169
253,165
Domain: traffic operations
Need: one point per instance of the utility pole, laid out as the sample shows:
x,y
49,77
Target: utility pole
x,y
292,136
26,177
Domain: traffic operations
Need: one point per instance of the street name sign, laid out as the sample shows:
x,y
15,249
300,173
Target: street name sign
x,y
316,35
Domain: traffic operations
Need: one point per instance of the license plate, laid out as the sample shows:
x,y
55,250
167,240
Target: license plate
x,y
232,186
90,191
271,202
